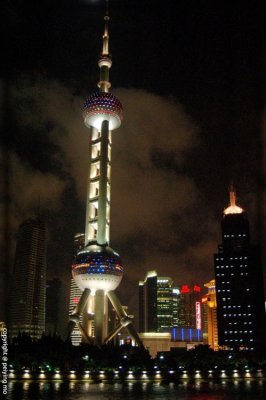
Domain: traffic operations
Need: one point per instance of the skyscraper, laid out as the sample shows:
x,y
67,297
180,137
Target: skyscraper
x,y
209,302
52,308
239,283
148,303
164,304
97,268
189,308
157,303
27,295
175,308
75,291
74,298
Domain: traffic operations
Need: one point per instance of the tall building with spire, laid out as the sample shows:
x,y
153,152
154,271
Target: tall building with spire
x,y
27,295
239,283
97,268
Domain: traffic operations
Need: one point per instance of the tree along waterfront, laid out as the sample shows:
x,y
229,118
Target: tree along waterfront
x,y
51,353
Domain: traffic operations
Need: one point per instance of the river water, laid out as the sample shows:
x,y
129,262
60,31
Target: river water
x,y
244,389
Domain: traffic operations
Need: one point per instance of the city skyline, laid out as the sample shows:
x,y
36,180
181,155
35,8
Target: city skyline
x,y
188,131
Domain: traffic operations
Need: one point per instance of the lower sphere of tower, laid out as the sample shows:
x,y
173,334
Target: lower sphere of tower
x,y
102,106
97,268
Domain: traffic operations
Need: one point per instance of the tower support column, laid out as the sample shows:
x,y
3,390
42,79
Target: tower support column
x,y
99,318
125,320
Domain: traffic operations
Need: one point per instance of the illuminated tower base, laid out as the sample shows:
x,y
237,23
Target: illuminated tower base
x,y
98,271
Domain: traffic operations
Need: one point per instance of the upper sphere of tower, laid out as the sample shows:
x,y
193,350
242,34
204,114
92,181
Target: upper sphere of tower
x,y
102,106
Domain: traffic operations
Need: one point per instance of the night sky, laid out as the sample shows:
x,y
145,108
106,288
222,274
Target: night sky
x,y
189,76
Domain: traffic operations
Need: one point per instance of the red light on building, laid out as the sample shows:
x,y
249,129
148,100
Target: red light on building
x,y
184,289
75,300
196,288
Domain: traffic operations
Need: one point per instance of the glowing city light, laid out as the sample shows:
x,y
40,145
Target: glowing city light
x,y
198,315
101,106
184,289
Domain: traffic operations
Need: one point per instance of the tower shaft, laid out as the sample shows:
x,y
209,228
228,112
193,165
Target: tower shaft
x,y
98,195
103,204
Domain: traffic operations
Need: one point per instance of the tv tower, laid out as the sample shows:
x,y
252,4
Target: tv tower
x,y
97,268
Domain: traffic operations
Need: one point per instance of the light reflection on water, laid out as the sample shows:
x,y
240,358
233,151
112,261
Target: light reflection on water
x,y
245,389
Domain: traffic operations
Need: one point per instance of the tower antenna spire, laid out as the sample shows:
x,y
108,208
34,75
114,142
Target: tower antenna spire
x,y
232,194
105,61
233,208
105,51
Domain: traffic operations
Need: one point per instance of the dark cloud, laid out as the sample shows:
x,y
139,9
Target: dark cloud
x,y
157,208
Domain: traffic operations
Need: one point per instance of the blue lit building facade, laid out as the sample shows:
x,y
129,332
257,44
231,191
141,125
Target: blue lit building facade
x,y
187,334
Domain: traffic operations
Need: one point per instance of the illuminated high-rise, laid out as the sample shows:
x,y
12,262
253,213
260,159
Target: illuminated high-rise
x,y
209,303
27,295
239,283
175,305
164,304
75,295
76,292
97,268
158,302
189,308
